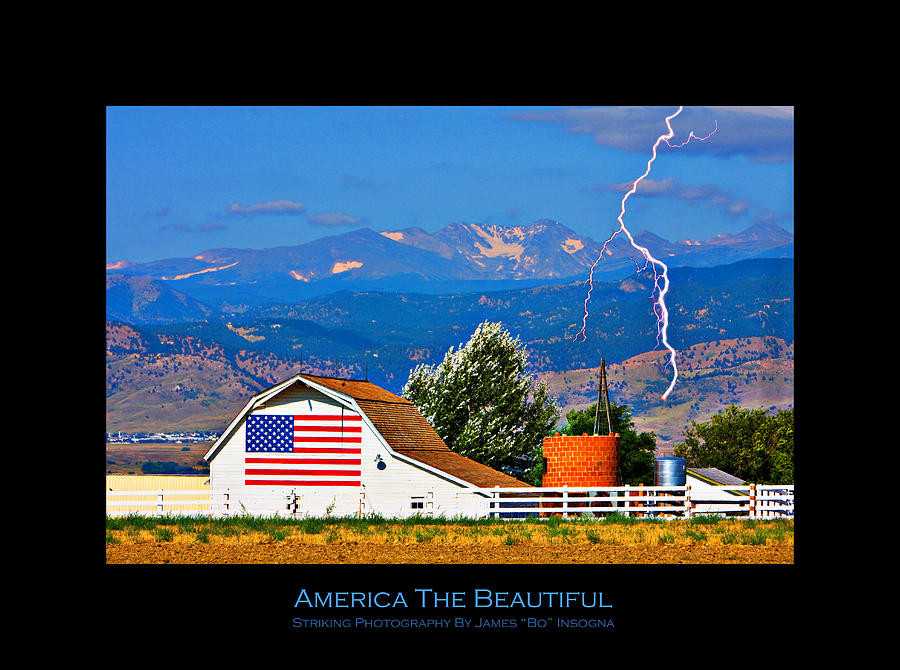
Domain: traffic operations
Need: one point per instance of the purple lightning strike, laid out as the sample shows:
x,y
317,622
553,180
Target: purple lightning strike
x,y
659,305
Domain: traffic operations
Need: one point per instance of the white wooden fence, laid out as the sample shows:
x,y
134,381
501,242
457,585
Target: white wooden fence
x,y
159,502
748,501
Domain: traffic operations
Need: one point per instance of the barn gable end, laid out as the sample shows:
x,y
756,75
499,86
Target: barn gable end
x,y
402,466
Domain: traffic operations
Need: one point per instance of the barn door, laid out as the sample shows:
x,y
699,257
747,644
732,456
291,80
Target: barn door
x,y
292,503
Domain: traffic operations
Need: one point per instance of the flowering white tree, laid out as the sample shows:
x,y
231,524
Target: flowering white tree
x,y
483,403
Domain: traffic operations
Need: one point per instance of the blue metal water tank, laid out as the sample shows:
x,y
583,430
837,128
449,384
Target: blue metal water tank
x,y
670,471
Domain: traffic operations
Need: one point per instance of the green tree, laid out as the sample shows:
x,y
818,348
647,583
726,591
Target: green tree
x,y
636,450
778,443
483,403
750,444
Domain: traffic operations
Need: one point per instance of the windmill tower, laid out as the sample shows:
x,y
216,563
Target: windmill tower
x,y
585,460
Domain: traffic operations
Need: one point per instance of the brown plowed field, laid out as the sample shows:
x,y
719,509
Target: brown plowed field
x,y
514,544
288,552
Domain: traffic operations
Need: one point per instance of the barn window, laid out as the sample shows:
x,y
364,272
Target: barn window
x,y
417,502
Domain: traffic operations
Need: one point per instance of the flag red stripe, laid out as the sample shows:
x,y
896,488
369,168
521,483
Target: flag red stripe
x,y
327,450
328,417
307,461
278,471
337,440
298,482
330,429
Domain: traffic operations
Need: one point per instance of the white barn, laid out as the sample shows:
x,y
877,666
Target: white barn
x,y
313,445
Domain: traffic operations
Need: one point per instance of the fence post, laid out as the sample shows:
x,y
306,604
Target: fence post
x,y
496,496
752,501
688,505
641,503
565,501
159,502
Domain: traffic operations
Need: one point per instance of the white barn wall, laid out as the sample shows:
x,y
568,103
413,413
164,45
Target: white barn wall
x,y
390,492
702,490
386,492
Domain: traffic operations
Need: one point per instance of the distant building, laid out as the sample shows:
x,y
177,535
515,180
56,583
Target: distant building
x,y
316,445
709,485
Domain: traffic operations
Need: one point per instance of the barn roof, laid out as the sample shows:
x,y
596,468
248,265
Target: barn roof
x,y
714,476
401,425
357,389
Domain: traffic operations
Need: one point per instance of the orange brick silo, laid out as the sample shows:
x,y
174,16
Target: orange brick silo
x,y
585,460
581,460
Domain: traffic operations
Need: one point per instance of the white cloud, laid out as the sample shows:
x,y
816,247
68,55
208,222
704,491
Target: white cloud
x,y
272,207
333,219
762,134
672,188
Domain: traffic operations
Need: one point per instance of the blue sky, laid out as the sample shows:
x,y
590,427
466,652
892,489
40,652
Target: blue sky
x,y
181,180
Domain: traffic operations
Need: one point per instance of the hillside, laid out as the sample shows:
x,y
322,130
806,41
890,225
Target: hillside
x,y
459,258
732,324
157,381
145,300
189,391
388,333
751,372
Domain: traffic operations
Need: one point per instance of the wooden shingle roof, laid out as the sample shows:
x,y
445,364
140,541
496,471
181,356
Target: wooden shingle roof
x,y
356,389
401,424
465,468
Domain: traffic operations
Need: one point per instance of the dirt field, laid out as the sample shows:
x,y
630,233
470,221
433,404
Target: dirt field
x,y
127,458
297,553
659,545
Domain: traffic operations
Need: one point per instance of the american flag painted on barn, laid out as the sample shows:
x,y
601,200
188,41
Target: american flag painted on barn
x,y
303,449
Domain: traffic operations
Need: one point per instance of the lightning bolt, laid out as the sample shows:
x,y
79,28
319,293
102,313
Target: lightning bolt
x,y
660,270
